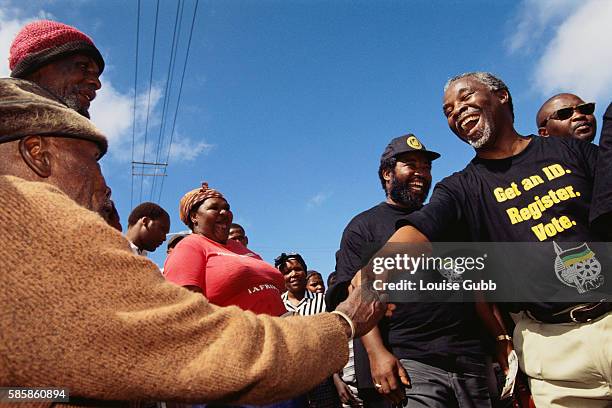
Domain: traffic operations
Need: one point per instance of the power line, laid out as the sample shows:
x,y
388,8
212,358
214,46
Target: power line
x,y
144,150
169,78
195,10
134,113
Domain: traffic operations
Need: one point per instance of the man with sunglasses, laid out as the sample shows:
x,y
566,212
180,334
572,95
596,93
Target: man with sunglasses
x,y
567,115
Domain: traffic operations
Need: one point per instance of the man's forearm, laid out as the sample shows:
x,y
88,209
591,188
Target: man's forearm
x,y
373,342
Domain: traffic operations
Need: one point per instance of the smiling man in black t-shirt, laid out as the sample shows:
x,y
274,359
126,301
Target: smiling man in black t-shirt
x,y
530,189
436,345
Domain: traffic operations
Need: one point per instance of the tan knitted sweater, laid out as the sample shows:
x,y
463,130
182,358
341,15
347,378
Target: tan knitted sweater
x,y
80,311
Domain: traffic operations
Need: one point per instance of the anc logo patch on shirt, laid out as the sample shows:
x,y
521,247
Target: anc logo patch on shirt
x,y
578,267
413,142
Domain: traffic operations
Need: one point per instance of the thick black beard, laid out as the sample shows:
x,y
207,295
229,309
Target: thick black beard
x,y
402,195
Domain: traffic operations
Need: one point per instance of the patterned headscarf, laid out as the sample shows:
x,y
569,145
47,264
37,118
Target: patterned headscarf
x,y
195,198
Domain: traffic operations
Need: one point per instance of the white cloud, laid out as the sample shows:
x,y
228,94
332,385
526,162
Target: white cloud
x,y
187,149
579,57
113,113
534,19
571,41
317,200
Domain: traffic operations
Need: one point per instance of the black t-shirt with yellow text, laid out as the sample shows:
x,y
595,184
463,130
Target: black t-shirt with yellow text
x,y
541,195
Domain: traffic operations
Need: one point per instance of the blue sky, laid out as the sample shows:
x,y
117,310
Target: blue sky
x,y
287,105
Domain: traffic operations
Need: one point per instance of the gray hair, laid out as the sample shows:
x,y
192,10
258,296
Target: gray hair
x,y
489,80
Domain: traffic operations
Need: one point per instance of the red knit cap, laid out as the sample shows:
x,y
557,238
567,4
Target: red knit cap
x,y
44,41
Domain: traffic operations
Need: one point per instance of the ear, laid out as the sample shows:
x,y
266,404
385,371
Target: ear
x,y
246,239
192,217
35,152
542,131
386,174
146,221
503,95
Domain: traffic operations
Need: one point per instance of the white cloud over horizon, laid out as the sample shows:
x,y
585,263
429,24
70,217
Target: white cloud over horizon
x,y
573,48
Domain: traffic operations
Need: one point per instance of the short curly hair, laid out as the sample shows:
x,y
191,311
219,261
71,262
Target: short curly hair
x,y
147,209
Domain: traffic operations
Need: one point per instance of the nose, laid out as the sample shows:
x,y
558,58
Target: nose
x,y
421,170
96,83
457,110
93,79
577,115
462,108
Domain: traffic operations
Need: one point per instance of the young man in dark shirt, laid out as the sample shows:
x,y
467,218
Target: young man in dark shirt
x,y
536,190
429,340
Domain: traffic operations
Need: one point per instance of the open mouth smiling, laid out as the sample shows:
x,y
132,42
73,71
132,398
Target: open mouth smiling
x,y
467,122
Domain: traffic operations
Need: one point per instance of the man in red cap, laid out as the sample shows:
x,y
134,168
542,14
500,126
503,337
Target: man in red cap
x,y
66,63
59,58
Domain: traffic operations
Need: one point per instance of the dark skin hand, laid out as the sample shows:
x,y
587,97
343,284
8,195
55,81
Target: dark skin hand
x,y
344,392
386,369
364,306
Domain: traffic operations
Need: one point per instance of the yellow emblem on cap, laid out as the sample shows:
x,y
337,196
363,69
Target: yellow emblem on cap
x,y
414,142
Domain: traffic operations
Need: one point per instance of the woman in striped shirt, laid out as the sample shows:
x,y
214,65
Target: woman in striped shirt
x,y
302,302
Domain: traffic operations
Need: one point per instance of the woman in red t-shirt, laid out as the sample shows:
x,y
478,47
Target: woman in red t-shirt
x,y
223,270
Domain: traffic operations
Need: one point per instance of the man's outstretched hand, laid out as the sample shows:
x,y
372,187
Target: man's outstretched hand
x,y
364,306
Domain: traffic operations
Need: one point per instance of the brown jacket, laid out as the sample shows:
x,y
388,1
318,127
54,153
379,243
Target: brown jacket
x,y
80,311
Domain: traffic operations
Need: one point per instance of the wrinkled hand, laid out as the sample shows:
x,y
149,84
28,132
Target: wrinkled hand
x,y
388,372
365,307
502,351
344,392
358,280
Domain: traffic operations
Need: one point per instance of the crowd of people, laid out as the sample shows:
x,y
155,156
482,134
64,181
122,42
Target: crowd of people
x,y
84,308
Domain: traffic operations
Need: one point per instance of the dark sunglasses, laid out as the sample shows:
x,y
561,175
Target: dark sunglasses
x,y
566,113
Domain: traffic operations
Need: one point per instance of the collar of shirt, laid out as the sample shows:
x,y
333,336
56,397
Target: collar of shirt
x,y
308,296
136,250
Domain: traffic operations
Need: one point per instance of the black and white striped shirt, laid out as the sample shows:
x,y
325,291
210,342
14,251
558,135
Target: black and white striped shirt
x,y
311,304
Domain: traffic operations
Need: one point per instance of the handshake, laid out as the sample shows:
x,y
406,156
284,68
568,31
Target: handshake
x,y
363,307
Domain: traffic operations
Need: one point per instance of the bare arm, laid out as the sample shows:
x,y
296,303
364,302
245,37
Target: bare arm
x,y
408,234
